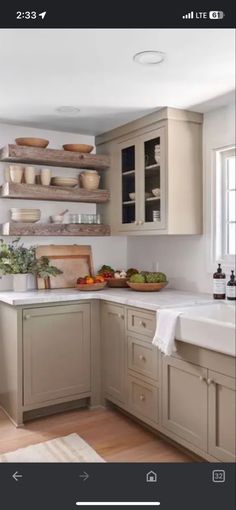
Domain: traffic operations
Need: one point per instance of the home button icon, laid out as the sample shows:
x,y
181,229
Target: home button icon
x,y
151,477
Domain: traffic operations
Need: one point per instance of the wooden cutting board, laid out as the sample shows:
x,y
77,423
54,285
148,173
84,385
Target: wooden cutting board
x,y
74,260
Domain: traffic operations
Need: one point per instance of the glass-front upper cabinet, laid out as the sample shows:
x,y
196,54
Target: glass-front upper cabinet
x,y
152,180
142,169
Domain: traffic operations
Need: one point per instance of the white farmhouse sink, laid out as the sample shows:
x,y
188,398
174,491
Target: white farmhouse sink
x,y
209,325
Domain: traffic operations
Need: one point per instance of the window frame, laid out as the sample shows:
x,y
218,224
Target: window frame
x,y
219,212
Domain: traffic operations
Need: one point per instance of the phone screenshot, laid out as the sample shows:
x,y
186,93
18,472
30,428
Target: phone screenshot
x,y
117,256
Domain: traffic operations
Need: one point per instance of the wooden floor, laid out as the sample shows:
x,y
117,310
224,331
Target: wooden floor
x,y
113,435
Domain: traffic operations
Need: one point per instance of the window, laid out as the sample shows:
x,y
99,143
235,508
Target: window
x,y
225,206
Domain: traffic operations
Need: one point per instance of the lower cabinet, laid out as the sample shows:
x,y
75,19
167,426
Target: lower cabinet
x,y
184,397
221,416
199,407
56,347
114,351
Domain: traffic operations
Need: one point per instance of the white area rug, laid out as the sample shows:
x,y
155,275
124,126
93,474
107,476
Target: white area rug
x,y
70,448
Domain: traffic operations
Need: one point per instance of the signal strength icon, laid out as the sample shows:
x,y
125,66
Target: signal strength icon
x,y
190,15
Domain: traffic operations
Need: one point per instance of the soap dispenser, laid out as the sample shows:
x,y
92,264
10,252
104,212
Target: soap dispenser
x,y
219,284
231,287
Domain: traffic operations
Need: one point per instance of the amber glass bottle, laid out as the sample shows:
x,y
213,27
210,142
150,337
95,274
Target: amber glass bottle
x,y
219,284
231,288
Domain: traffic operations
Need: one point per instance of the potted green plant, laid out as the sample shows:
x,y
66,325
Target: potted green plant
x,y
17,260
21,263
43,271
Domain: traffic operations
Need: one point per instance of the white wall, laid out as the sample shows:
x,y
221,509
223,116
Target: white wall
x,y
185,259
106,250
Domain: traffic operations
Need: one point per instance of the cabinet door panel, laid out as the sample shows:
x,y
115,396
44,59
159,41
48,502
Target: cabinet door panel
x,y
221,417
56,352
113,341
152,176
185,400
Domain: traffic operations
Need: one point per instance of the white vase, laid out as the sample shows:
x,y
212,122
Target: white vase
x,y
23,282
45,176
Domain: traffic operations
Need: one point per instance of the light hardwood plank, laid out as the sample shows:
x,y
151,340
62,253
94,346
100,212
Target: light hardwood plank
x,y
113,435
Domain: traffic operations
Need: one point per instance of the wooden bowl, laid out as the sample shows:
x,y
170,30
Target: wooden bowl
x,y
91,286
117,282
147,287
78,147
32,142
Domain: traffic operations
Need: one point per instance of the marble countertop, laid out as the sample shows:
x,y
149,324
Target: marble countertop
x,y
146,300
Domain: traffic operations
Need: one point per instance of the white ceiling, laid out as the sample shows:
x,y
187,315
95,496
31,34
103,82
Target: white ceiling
x,y
94,71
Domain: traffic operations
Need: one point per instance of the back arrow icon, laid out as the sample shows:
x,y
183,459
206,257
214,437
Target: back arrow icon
x,y
16,476
85,476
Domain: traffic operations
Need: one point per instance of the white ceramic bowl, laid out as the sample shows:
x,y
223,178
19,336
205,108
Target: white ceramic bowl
x,y
156,192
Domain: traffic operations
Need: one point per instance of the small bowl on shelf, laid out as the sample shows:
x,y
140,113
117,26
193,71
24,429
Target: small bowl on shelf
x,y
32,142
156,192
132,196
78,147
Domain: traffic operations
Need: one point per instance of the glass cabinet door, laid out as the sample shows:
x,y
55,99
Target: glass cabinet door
x,y
141,186
152,180
128,162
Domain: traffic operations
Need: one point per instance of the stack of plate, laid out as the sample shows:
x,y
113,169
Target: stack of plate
x,y
64,181
25,215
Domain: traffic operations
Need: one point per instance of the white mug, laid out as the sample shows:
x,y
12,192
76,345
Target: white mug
x,y
29,174
16,173
45,176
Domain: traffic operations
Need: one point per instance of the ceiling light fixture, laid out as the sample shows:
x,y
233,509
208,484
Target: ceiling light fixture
x,y
149,57
68,110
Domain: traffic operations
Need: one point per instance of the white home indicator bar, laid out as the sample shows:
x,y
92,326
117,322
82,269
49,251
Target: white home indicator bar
x,y
118,503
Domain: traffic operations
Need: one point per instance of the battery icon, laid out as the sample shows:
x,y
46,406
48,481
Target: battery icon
x,y
216,14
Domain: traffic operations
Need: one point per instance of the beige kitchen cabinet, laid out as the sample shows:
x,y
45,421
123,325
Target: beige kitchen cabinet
x,y
56,353
163,152
114,351
184,402
221,416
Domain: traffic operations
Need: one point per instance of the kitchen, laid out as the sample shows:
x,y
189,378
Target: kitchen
x,y
84,362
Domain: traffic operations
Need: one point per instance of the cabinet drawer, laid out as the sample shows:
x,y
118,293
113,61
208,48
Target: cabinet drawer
x,y
143,399
143,358
140,322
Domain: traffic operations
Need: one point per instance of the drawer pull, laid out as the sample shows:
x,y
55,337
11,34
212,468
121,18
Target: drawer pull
x,y
142,358
202,379
27,317
142,397
121,316
143,324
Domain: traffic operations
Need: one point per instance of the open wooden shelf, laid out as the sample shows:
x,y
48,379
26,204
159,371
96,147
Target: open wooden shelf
x,y
52,193
53,157
54,229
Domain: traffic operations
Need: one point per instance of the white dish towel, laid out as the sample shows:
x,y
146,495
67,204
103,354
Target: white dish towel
x,y
164,337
